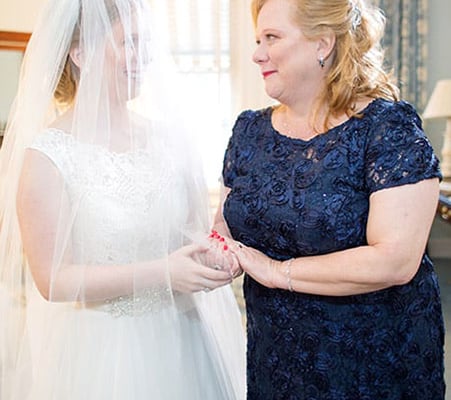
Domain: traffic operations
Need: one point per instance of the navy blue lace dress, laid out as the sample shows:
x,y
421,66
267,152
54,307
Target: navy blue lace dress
x,y
292,198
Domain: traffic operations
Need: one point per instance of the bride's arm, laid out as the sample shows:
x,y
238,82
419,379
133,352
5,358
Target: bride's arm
x,y
44,215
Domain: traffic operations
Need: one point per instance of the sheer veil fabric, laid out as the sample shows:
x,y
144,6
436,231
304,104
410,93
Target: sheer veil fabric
x,y
117,187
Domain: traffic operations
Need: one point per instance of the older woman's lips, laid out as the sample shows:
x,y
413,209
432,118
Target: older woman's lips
x,y
267,73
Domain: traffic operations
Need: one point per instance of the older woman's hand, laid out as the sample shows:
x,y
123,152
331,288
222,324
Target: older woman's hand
x,y
262,268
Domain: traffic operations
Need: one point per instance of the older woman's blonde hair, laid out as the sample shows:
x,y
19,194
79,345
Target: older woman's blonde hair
x,y
357,68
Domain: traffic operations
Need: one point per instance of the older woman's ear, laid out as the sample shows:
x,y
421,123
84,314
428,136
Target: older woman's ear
x,y
326,45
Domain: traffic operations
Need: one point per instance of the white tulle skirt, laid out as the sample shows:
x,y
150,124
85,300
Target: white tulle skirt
x,y
77,353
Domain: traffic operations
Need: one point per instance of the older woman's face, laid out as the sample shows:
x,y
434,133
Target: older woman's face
x,y
286,58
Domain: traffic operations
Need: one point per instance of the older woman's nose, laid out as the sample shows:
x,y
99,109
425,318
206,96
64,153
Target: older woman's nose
x,y
260,54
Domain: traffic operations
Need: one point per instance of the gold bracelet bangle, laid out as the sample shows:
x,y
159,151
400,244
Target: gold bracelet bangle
x,y
288,274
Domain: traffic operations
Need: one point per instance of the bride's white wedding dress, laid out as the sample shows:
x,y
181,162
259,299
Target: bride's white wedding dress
x,y
128,207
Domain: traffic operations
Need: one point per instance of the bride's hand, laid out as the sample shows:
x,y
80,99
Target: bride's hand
x,y
217,256
189,275
220,256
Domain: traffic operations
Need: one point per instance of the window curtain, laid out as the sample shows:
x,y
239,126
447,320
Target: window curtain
x,y
246,81
405,44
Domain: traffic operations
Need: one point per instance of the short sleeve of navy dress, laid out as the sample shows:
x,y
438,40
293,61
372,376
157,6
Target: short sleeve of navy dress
x,y
292,198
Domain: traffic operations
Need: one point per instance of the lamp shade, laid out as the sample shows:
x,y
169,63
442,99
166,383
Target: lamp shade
x,y
439,105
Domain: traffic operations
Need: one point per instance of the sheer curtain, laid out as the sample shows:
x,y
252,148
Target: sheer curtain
x,y
212,43
247,83
200,43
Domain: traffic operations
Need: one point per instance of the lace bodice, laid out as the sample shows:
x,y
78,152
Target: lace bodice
x,y
120,200
126,207
292,197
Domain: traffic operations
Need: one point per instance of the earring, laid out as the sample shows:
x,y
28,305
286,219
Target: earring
x,y
321,61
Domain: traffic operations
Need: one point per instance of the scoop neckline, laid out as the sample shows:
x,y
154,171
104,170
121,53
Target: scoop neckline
x,y
340,126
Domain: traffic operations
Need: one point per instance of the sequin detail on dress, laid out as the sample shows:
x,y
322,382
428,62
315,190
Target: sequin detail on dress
x,y
148,301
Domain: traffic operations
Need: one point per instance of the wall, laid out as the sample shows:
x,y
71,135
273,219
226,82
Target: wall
x,y
439,67
19,15
15,15
9,75
439,59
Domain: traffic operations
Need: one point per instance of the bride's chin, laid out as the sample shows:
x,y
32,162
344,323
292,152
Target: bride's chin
x,y
129,94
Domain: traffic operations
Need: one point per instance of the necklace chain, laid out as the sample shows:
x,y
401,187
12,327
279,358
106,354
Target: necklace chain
x,y
286,127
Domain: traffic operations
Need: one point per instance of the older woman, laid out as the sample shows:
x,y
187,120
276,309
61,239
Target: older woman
x,y
331,195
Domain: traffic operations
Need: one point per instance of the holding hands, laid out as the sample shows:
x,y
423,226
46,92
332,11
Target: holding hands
x,y
210,265
222,254
203,266
262,268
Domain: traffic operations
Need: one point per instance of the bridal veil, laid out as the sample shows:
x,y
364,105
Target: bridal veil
x,y
116,186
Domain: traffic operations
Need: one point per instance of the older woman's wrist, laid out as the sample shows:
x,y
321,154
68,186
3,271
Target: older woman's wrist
x,y
281,274
287,271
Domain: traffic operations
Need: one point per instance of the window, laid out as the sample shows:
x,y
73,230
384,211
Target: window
x,y
200,43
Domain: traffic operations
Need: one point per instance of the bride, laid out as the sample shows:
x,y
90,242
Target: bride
x,y
106,280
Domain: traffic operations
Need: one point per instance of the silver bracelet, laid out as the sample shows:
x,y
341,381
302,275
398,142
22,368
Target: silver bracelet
x,y
288,274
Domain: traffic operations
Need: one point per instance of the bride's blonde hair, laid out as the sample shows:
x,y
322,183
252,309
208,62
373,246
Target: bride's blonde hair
x,y
66,88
